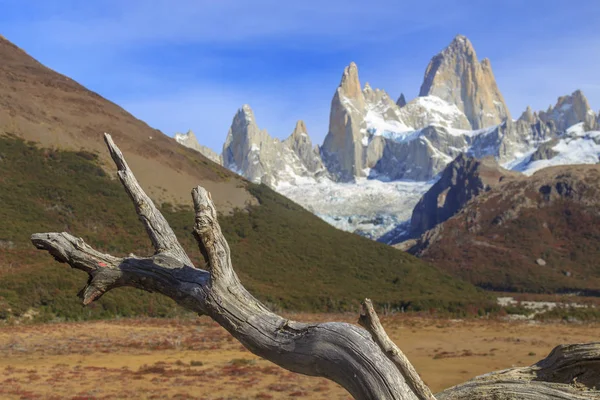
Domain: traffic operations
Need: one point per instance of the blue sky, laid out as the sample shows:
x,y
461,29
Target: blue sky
x,y
185,64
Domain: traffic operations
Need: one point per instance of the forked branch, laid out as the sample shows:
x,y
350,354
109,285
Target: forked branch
x,y
368,365
162,236
369,319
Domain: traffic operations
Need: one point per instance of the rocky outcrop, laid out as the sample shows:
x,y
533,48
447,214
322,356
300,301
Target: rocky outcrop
x,y
511,139
309,156
575,146
189,140
456,76
422,154
528,116
401,102
254,154
419,156
570,110
593,124
545,151
463,179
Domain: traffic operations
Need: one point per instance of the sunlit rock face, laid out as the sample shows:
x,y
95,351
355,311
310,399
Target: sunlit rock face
x,y
256,155
456,76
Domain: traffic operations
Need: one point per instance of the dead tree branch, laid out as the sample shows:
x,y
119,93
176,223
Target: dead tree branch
x,y
368,365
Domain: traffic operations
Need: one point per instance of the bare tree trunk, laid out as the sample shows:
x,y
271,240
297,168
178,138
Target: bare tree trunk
x,y
365,362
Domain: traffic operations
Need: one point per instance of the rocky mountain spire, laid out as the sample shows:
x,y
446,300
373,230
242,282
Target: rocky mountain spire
x,y
300,131
350,84
244,145
401,102
342,149
528,116
570,110
254,154
300,143
456,76
189,140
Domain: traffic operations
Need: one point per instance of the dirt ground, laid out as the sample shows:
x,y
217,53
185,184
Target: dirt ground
x,y
196,359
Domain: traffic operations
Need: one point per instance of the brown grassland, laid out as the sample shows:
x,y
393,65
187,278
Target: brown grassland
x,y
197,359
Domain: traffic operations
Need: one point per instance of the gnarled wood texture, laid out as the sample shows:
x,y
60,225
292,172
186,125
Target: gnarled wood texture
x,y
366,363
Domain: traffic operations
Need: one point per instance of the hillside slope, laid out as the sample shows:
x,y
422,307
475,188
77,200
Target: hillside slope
x,y
41,105
531,234
285,255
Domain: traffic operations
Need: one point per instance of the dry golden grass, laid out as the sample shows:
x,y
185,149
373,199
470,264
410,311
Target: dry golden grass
x,y
196,359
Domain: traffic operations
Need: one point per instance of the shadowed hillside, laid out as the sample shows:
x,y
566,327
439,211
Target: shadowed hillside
x,y
532,234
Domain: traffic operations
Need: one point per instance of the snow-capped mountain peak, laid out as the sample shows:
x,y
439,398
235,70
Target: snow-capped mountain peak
x,y
456,76
570,110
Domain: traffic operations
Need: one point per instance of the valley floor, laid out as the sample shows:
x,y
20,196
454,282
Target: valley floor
x,y
196,359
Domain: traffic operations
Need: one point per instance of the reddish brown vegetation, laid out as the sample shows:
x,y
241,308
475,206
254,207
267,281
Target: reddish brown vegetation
x,y
196,359
494,243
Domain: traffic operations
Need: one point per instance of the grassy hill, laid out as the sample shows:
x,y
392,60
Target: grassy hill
x,y
284,255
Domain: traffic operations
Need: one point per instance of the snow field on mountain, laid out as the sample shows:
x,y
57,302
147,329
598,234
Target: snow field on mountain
x,y
576,147
371,207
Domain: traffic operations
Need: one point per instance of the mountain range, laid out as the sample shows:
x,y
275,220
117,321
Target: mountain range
x,y
380,156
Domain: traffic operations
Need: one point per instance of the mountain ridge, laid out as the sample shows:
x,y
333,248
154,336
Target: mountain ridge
x,y
263,159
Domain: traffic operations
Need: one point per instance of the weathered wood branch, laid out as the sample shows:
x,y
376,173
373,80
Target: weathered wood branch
x,y
368,365
162,236
369,319
569,372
